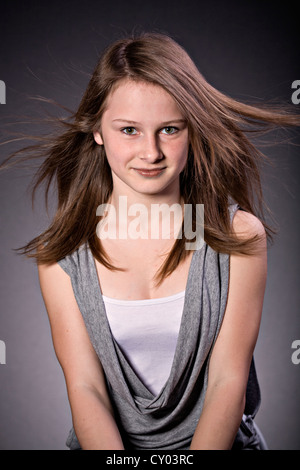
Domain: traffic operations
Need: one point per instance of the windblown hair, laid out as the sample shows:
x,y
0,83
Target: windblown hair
x,y
222,164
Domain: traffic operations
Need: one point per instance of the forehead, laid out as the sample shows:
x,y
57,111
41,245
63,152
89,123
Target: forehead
x,y
129,96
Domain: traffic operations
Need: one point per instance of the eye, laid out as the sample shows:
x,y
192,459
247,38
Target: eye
x,y
169,130
129,130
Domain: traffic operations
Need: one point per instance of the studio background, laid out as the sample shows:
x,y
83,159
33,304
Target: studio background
x,y
248,50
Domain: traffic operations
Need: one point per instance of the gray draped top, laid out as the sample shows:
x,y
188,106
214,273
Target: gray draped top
x,y
167,420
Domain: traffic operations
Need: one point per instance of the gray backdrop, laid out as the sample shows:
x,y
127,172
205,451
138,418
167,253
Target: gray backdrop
x,y
248,50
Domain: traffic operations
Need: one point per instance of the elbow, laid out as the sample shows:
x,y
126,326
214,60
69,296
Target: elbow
x,y
79,393
230,391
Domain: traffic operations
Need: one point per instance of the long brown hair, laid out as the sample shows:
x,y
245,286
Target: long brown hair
x,y
223,164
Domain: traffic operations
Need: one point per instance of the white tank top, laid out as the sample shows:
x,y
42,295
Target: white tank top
x,y
147,332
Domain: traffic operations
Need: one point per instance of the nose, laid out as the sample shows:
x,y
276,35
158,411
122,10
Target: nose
x,y
150,150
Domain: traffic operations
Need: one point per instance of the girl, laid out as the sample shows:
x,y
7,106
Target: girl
x,y
156,340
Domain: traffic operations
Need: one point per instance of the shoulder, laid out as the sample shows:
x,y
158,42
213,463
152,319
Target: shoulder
x,y
246,225
249,271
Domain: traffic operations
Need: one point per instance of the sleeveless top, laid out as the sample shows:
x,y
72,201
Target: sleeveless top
x,y
147,331
165,421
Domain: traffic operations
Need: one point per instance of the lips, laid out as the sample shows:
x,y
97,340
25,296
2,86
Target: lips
x,y
149,173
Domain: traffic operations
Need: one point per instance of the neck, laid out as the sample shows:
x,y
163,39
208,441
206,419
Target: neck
x,y
169,197
154,215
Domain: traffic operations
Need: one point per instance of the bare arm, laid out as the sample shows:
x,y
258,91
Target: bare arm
x,y
231,357
92,413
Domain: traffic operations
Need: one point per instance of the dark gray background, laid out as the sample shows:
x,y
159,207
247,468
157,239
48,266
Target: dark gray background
x,y
249,50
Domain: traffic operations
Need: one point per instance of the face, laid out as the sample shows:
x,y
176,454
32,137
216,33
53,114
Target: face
x,y
145,138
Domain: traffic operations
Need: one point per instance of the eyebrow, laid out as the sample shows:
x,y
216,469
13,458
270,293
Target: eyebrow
x,y
171,121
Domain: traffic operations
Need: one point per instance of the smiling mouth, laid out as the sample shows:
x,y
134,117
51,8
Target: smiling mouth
x,y
149,173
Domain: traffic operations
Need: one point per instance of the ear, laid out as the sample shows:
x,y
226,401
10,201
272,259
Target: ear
x,y
98,138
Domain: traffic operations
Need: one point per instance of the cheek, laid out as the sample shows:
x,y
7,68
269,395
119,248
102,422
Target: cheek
x,y
184,161
180,153
116,154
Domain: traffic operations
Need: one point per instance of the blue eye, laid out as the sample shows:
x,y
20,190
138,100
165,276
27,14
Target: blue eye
x,y
169,130
129,131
